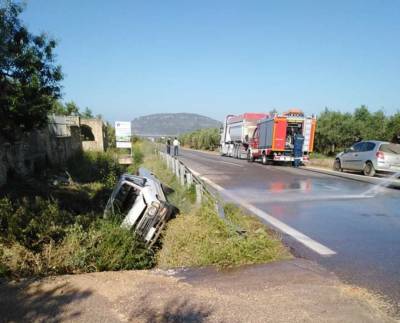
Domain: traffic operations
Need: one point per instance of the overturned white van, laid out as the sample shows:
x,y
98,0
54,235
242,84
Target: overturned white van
x,y
141,203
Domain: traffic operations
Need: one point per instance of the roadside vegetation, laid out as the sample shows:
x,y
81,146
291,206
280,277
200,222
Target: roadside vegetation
x,y
52,225
205,139
199,237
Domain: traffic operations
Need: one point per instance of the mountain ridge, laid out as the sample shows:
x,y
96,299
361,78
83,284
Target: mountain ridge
x,y
171,124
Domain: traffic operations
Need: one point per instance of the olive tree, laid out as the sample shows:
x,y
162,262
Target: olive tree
x,y
29,77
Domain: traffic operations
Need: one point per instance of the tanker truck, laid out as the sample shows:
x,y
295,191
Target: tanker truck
x,y
273,137
236,132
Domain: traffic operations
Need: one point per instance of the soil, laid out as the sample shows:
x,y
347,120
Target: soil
x,y
290,291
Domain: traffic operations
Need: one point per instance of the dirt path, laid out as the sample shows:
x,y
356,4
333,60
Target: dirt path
x,y
290,291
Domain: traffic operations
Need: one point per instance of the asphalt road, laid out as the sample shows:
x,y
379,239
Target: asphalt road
x,y
349,227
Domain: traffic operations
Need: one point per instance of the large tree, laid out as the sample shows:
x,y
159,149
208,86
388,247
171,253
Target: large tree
x,y
29,77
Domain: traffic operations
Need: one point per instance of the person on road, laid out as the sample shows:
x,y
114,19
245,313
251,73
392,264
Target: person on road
x,y
176,144
298,142
168,144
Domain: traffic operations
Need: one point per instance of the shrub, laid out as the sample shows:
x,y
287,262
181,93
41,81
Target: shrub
x,y
207,139
105,246
33,222
95,167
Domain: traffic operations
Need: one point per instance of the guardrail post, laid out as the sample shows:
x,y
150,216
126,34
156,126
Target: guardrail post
x,y
182,175
189,179
199,194
177,168
172,165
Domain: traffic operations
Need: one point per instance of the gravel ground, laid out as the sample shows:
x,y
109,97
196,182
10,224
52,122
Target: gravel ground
x,y
289,291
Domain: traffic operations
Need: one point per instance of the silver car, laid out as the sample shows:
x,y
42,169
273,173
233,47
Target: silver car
x,y
370,156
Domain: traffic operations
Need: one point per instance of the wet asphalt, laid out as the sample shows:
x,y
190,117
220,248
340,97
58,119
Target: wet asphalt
x,y
363,228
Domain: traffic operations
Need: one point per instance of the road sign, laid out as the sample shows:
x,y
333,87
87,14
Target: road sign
x,y
123,131
122,144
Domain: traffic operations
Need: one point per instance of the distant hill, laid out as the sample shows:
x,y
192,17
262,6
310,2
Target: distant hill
x,y
171,124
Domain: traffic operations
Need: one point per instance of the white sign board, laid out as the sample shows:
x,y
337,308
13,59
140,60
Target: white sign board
x,y
123,131
122,144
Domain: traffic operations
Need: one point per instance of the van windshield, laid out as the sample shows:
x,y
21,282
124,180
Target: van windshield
x,y
391,148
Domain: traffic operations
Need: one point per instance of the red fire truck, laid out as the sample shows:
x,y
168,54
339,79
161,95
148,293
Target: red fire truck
x,y
236,133
273,137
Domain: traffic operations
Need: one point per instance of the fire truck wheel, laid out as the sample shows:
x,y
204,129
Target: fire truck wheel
x,y
264,159
250,157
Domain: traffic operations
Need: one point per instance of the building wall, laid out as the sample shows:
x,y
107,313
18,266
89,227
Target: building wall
x,y
52,146
98,130
35,151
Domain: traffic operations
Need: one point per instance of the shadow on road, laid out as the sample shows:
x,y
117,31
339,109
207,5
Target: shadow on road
x,y
29,301
175,310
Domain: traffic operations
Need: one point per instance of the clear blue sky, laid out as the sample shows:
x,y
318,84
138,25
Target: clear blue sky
x,y
129,58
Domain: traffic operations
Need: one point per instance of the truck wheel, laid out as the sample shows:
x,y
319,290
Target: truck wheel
x,y
264,159
250,157
369,169
337,166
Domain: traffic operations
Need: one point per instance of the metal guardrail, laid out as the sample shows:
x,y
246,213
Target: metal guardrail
x,y
188,179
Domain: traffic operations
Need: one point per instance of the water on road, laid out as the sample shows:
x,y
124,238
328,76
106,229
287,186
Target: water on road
x,y
359,221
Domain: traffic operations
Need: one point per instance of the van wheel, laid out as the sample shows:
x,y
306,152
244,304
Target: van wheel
x,y
337,166
369,169
264,159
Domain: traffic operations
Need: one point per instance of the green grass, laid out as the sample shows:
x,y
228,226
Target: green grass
x,y
47,229
198,237
182,197
201,238
58,230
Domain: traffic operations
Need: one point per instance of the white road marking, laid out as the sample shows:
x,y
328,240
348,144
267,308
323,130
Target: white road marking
x,y
220,161
300,237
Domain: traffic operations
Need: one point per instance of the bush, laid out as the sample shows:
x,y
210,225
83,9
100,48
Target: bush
x,y
95,167
105,246
336,130
207,139
32,223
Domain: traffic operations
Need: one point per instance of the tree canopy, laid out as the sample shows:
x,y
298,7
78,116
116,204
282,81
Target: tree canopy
x,y
337,130
29,77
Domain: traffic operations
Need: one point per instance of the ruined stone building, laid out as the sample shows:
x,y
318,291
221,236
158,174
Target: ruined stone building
x,y
52,146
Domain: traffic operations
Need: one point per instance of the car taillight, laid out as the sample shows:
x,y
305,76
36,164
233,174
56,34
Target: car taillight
x,y
380,155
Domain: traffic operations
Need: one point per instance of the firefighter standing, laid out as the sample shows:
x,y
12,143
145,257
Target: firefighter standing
x,y
298,142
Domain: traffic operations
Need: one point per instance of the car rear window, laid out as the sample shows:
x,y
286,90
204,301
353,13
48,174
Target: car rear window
x,y
391,148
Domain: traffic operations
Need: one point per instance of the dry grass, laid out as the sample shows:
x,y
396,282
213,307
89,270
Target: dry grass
x,y
321,162
198,237
201,238
376,301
